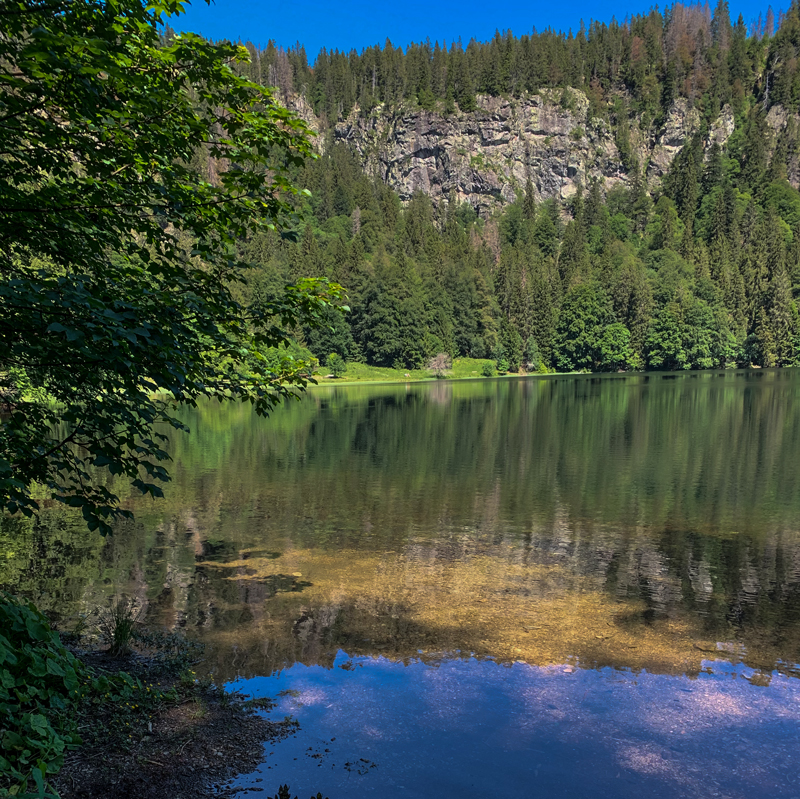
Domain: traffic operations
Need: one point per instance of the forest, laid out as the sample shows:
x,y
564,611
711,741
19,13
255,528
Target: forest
x,y
170,235
700,271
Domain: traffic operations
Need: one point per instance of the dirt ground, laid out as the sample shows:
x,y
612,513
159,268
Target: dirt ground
x,y
188,751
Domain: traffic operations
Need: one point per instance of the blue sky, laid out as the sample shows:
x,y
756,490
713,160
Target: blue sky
x,y
348,24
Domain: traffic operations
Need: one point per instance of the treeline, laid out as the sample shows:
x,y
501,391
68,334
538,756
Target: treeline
x,y
705,275
644,62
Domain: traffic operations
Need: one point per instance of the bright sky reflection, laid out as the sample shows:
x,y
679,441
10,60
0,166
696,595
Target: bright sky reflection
x,y
465,728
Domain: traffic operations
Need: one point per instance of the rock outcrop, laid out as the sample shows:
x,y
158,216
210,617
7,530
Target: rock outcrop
x,y
486,157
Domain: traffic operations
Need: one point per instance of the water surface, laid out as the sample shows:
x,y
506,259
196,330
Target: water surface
x,y
584,585
375,727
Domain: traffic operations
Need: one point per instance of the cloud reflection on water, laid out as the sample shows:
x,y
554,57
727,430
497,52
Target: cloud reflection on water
x,y
517,730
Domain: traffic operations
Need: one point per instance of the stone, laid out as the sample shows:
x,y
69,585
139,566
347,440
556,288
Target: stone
x,y
486,157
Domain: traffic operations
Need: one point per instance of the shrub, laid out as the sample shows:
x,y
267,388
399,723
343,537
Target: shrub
x,y
488,369
336,364
39,680
440,364
118,626
46,692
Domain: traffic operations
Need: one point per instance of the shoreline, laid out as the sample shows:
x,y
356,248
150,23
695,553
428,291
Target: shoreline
x,y
130,721
324,380
189,749
338,381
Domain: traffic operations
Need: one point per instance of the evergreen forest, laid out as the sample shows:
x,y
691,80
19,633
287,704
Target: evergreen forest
x,y
699,271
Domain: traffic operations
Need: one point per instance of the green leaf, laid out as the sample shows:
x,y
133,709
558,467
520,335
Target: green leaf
x,y
37,630
53,667
38,778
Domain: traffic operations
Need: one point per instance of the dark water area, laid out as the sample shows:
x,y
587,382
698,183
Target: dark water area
x,y
567,585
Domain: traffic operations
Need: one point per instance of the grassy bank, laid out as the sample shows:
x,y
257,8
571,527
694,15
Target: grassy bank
x,y
462,369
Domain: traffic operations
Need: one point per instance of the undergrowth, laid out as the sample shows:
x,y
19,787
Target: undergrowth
x,y
48,696
40,682
52,701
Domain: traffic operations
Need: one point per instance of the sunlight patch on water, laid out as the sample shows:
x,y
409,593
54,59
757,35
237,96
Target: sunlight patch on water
x,y
488,602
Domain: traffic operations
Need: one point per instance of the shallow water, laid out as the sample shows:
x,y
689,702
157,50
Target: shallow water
x,y
585,585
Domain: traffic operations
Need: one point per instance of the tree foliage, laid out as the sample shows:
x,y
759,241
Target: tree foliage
x,y
624,284
130,168
650,59
336,364
134,202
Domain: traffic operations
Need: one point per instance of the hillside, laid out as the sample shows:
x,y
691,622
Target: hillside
x,y
621,198
611,101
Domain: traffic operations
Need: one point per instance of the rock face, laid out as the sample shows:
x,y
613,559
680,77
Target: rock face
x,y
681,123
486,157
778,121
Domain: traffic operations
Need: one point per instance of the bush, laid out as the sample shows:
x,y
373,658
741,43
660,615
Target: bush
x,y
39,680
488,369
440,364
46,692
118,627
336,364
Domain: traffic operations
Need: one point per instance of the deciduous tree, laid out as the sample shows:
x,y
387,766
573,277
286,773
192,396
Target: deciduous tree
x,y
117,261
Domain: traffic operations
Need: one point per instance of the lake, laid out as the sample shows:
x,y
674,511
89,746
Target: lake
x,y
569,585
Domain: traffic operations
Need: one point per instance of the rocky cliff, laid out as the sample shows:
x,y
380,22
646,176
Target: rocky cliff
x,y
486,157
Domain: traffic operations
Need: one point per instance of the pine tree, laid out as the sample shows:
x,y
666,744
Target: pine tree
x,y
782,315
572,259
754,266
765,351
529,202
793,262
755,151
667,225
546,229
542,324
573,256
511,343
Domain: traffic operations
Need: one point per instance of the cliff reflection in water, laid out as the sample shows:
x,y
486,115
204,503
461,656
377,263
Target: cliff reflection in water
x,y
645,521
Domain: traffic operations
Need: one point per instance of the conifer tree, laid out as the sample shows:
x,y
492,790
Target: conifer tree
x,y
782,319
529,202
511,343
